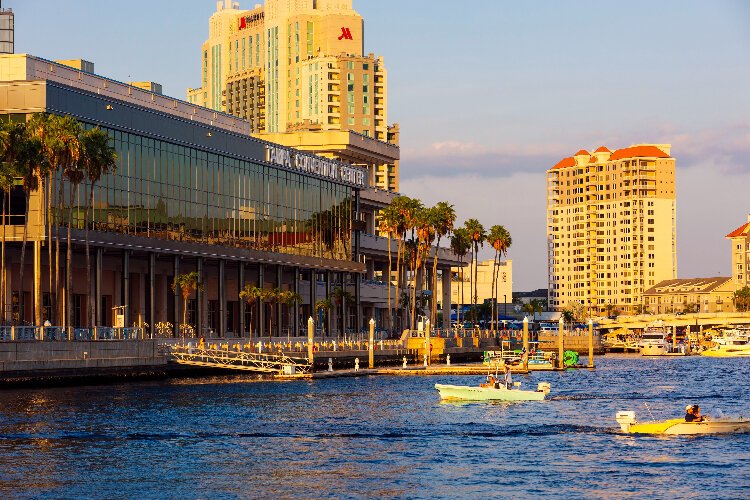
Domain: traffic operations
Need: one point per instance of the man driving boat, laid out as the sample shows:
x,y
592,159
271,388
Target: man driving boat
x,y
693,414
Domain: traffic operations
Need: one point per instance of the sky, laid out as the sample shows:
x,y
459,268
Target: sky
x,y
489,94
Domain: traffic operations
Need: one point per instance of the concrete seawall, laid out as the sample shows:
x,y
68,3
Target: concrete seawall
x,y
25,363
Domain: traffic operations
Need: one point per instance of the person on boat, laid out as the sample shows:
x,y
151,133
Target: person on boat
x,y
693,414
507,378
490,383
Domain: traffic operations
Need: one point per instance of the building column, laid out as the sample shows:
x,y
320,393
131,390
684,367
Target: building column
x,y
328,296
295,313
125,292
358,302
261,305
199,297
313,292
177,297
222,300
240,287
151,291
279,315
38,282
98,258
446,298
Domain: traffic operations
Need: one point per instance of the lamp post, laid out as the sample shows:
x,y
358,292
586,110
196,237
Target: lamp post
x,y
371,346
561,341
526,343
310,339
505,305
591,343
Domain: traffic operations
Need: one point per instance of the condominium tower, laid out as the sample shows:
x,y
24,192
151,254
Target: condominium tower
x,y
611,228
297,70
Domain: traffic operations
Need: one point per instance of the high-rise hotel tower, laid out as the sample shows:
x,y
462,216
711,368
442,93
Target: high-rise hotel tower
x,y
298,66
611,228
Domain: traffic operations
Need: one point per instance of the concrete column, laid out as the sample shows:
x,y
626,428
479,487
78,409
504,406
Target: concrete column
x,y
177,297
310,340
358,302
125,293
328,296
313,291
261,306
561,343
371,345
222,301
279,315
446,298
240,287
152,292
202,317
295,312
98,258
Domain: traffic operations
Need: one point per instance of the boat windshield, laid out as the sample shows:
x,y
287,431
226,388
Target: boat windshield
x,y
653,336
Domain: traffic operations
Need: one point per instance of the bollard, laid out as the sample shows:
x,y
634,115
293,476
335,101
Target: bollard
x,y
448,359
356,364
330,364
371,345
404,361
310,339
425,360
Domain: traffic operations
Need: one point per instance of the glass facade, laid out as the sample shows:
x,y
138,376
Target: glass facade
x,y
168,191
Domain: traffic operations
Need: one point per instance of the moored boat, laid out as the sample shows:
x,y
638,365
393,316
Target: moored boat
x,y
654,341
678,426
497,392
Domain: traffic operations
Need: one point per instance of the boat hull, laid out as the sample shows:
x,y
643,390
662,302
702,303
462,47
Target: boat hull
x,y
678,427
727,352
654,350
466,393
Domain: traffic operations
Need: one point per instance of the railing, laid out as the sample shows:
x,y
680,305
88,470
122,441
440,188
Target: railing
x,y
191,354
59,333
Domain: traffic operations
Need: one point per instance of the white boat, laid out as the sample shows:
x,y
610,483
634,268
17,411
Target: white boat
x,y
497,392
678,426
654,342
729,347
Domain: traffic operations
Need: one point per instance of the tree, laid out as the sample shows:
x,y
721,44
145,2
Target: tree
x,y
477,235
99,158
289,298
270,296
425,235
388,224
500,239
741,299
443,218
460,245
322,306
251,294
186,284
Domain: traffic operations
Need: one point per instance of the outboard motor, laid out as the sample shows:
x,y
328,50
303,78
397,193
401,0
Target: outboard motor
x,y
543,387
625,419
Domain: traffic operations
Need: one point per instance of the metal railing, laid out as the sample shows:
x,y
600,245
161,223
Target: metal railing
x,y
61,334
191,354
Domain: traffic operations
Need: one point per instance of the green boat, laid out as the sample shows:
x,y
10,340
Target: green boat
x,y
495,392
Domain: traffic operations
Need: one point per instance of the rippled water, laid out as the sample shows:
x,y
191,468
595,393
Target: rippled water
x,y
377,437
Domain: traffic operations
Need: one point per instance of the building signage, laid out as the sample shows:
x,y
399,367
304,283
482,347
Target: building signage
x,y
247,21
346,34
315,165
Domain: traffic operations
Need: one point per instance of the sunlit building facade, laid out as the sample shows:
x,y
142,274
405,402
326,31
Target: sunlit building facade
x,y
611,227
740,239
297,70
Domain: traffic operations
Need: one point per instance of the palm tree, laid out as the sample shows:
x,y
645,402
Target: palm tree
x,y
388,224
500,239
251,294
186,284
443,218
99,158
341,297
75,175
322,306
477,235
425,230
406,209
460,245
288,298
271,297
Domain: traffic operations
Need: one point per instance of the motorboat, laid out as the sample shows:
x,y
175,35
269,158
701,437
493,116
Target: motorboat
x,y
654,341
679,427
492,392
729,347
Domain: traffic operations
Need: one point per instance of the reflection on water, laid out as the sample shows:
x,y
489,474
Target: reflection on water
x,y
376,436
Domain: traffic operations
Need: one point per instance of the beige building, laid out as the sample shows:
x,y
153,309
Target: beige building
x,y
611,227
740,239
297,70
461,278
705,295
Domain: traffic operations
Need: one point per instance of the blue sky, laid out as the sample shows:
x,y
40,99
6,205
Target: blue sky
x,y
489,94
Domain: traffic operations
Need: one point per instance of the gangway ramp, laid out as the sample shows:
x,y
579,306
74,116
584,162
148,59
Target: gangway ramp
x,y
237,360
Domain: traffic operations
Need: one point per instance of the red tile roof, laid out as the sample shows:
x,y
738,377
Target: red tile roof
x,y
565,162
582,152
740,231
638,151
602,149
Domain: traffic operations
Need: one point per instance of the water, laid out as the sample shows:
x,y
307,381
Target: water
x,y
377,437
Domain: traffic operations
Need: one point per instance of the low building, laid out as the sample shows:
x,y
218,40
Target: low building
x,y
462,288
740,239
693,295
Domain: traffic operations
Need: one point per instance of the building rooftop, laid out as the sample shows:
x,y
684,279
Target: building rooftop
x,y
689,285
638,152
743,230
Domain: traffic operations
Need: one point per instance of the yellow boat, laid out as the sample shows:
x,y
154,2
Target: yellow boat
x,y
678,426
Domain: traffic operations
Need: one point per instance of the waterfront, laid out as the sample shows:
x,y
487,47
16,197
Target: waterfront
x,y
375,437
